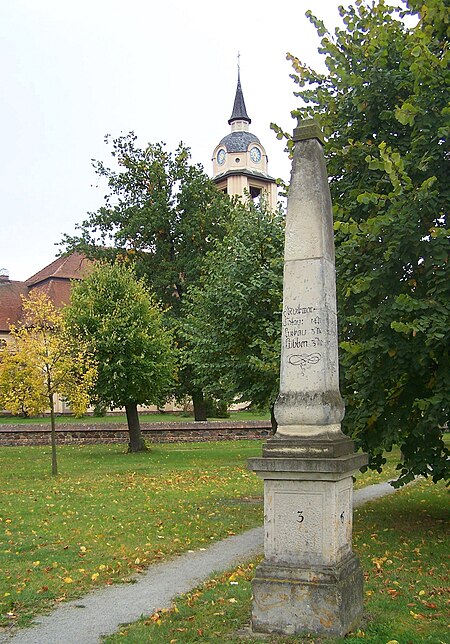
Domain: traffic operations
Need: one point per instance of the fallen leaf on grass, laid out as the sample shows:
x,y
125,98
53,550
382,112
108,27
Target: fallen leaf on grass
x,y
393,593
417,615
378,561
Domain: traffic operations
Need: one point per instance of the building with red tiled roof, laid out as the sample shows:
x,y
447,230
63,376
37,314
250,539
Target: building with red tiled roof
x,y
55,280
10,302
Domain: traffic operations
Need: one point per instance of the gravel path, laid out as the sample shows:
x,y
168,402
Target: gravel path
x,y
101,612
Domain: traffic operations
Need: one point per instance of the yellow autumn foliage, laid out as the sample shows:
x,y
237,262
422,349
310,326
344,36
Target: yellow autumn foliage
x,y
41,361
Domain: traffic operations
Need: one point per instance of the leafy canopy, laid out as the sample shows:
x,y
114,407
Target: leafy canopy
x,y
116,315
233,315
161,213
40,361
384,106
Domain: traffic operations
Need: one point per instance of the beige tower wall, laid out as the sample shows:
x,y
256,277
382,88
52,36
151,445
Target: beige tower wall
x,y
240,171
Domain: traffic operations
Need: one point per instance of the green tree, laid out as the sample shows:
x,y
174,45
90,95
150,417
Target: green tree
x,y
234,314
114,312
384,106
162,214
40,362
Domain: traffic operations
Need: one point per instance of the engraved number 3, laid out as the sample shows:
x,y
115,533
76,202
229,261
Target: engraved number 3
x,y
301,518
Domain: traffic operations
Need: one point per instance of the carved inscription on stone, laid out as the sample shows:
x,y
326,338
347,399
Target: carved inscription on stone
x,y
298,524
303,336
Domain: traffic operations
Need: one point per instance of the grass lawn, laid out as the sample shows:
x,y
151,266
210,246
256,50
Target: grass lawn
x,y
167,417
402,541
109,514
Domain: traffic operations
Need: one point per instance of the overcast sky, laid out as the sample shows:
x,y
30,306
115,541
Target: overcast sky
x,y
73,71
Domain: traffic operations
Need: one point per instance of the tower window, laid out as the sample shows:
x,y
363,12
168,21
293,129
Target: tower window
x,y
237,159
255,193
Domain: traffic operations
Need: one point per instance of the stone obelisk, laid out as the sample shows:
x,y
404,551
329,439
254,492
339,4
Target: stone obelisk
x,y
310,580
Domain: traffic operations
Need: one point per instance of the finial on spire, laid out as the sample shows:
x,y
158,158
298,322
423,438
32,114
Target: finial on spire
x,y
239,112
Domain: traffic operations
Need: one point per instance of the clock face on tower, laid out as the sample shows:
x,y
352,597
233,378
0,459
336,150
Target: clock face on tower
x,y
255,155
221,156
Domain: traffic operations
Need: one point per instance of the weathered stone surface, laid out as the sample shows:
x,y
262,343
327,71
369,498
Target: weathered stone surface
x,y
309,377
309,524
324,600
300,466
322,445
308,129
310,581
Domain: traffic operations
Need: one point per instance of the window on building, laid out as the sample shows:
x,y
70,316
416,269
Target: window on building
x,y
255,193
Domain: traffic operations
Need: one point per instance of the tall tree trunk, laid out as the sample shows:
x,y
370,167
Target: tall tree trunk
x,y
137,443
53,435
199,403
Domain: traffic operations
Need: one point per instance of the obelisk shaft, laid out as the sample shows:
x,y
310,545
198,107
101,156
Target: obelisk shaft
x,y
309,403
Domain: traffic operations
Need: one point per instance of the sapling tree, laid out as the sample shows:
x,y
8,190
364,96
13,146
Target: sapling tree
x,y
42,361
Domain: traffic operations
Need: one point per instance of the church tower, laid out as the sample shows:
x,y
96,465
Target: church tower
x,y
240,161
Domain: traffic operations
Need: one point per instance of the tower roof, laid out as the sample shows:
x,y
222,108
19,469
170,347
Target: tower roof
x,y
239,112
239,141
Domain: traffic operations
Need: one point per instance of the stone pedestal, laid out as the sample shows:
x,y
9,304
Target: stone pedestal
x,y
322,600
310,580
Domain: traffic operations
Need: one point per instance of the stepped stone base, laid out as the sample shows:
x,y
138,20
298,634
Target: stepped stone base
x,y
332,446
290,600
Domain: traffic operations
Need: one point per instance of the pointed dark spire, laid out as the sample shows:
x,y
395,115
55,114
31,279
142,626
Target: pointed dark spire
x,y
239,112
